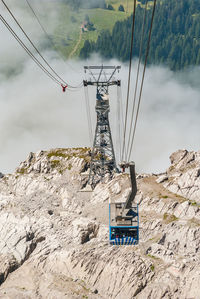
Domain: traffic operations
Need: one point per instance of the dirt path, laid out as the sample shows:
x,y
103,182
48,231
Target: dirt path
x,y
76,46
150,187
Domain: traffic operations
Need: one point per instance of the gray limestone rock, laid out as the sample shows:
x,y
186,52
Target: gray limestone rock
x,y
54,238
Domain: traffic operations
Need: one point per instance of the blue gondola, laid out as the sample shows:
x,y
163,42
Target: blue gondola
x,y
124,217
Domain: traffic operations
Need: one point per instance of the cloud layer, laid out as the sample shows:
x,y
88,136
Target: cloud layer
x,y
35,114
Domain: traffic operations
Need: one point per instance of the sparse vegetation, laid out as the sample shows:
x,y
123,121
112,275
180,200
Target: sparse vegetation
x,y
58,153
180,198
155,239
169,218
47,179
22,170
69,167
152,257
67,154
55,163
194,222
152,268
194,203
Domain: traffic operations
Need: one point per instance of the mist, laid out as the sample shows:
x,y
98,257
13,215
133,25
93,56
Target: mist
x,y
35,114
12,57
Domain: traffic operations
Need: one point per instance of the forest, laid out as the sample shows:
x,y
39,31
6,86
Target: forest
x,y
175,36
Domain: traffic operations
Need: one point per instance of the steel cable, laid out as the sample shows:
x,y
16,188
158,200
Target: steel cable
x,y
88,115
122,117
55,73
47,35
38,20
137,76
118,123
28,51
129,77
142,83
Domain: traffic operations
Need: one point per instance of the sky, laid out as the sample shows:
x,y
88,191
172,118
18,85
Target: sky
x,y
35,114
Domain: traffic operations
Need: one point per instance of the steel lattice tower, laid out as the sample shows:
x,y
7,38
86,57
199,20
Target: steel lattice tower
x,y
102,155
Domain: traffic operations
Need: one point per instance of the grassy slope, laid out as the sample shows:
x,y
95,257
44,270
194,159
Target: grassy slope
x,y
66,34
128,4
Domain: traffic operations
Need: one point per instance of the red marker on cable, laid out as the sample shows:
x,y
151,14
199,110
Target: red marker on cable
x,y
64,87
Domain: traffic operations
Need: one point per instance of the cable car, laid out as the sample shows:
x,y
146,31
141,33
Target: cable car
x,y
124,217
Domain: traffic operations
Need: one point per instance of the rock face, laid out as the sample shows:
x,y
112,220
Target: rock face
x,y
184,175
54,238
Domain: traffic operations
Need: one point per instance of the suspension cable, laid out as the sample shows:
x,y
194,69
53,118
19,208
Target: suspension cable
x,y
39,22
142,83
129,77
137,76
75,89
47,35
88,115
55,73
122,118
28,51
118,123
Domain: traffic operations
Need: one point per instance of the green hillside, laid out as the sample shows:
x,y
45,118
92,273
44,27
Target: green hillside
x,y
66,32
68,36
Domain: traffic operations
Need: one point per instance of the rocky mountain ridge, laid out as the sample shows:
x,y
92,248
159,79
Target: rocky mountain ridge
x,y
54,237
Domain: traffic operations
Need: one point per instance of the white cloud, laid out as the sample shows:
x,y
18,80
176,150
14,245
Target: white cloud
x,y
35,113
